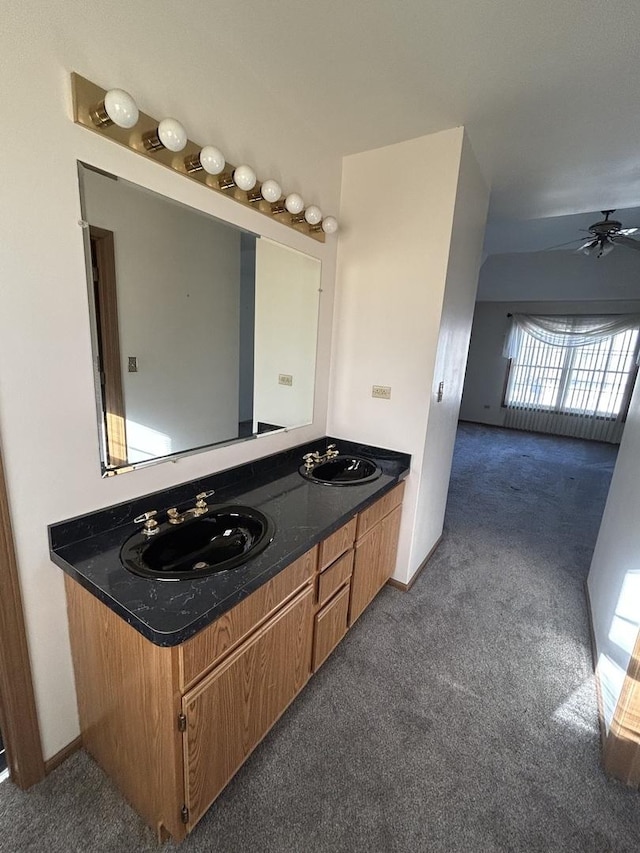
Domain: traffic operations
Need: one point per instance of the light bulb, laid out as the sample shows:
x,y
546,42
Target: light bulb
x,y
118,107
294,203
212,160
329,225
172,134
313,214
244,177
271,191
588,247
121,108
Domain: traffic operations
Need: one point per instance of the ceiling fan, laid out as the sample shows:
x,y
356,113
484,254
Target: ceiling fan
x,y
605,235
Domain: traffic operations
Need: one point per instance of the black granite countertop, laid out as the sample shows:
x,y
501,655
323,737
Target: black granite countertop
x,y
168,613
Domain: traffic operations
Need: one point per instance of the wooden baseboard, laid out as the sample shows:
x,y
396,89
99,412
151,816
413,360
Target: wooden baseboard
x,y
57,759
405,587
594,663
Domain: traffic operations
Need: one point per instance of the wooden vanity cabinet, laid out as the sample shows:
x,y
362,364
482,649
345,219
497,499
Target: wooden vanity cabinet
x,y
171,726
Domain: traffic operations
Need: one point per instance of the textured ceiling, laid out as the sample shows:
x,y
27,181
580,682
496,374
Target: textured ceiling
x,y
547,90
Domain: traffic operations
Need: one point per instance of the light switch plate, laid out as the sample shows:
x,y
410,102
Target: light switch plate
x,y
285,379
132,364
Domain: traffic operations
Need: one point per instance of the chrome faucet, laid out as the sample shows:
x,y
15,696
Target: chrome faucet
x,y
313,459
175,517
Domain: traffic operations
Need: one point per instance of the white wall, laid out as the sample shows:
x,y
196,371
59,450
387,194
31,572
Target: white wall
x,y
47,404
486,367
286,327
393,259
560,275
467,236
178,286
614,577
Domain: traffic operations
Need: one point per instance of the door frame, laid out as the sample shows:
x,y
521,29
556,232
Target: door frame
x,y
18,714
104,297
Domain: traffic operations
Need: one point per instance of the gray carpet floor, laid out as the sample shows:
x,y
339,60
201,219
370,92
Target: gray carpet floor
x,y
458,717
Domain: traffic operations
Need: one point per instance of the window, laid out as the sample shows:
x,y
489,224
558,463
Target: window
x,y
595,379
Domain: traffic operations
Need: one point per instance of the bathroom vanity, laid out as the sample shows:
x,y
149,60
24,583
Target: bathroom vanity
x,y
179,681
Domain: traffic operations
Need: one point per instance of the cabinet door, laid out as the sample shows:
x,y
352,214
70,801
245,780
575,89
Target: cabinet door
x,y
374,563
232,709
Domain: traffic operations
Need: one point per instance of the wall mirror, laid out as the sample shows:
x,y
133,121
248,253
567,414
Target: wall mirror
x,y
203,333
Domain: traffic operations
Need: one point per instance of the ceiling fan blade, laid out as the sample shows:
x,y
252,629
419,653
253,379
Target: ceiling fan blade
x,y
560,245
586,247
626,232
627,241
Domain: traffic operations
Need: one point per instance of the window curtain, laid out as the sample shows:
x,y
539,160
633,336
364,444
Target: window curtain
x,y
563,331
553,360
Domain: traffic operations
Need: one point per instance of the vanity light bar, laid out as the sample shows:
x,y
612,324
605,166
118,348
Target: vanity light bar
x,y
114,114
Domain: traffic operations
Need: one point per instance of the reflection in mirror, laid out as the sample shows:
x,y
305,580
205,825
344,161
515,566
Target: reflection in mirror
x,y
202,333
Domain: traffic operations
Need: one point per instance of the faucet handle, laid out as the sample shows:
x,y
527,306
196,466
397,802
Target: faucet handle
x,y
145,516
150,524
310,460
201,500
332,452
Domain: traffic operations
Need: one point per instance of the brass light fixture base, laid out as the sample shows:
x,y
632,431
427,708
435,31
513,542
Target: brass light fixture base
x,y
99,116
192,164
226,182
151,141
88,110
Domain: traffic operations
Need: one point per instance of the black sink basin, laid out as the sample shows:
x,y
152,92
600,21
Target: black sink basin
x,y
343,471
225,538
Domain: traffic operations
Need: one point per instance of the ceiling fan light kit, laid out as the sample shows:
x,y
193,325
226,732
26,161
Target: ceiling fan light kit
x,y
606,235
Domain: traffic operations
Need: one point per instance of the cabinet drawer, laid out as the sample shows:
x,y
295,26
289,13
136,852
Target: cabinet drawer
x,y
337,544
200,653
332,578
370,517
330,627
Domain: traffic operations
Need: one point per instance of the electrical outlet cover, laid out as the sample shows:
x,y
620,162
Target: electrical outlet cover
x,y
382,392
